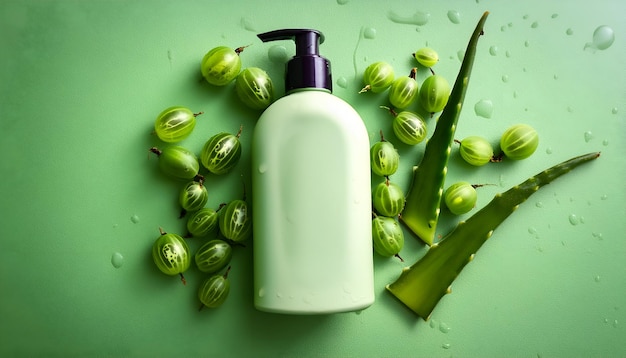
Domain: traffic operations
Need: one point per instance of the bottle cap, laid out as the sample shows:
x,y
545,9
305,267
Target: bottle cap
x,y
307,69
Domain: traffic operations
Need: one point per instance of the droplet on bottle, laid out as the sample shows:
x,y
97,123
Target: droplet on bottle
x,y
502,28
539,204
507,53
342,2
603,38
569,32
597,235
554,16
369,33
433,323
505,78
573,219
605,142
134,219
549,150
614,110
454,17
604,197
262,168
534,25
484,108
588,136
278,54
117,260
555,76
532,230
526,43
342,82
446,346
261,292
493,50
597,278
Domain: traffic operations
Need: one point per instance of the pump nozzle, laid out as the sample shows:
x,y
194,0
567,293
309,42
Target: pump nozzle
x,y
307,69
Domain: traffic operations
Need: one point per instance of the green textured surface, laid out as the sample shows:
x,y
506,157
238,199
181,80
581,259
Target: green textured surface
x,y
82,82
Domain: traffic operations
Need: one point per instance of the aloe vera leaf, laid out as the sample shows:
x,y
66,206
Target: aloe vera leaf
x,y
421,286
421,210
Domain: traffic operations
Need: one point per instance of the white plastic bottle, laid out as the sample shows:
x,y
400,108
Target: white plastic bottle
x,y
311,193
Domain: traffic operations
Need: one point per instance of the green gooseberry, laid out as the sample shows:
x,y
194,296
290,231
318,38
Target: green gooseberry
x,y
476,150
221,152
388,199
177,161
387,236
254,88
175,123
426,57
235,221
202,222
213,256
378,77
434,93
460,198
403,90
384,157
171,254
193,196
214,290
221,65
519,141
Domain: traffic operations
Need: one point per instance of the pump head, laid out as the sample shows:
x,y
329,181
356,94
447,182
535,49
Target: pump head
x,y
307,69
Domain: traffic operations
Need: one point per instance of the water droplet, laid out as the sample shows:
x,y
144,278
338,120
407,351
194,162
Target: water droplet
x,y
603,38
615,323
443,327
419,18
534,25
554,16
532,230
484,108
588,136
117,260
597,278
278,54
507,53
454,17
570,109
261,292
525,16
342,2
115,226
493,50
526,44
569,32
549,150
502,28
556,77
505,78
262,168
342,82
369,33
539,204
460,54
573,219
446,346
614,110
134,219
279,295
247,24
605,142
604,197
433,323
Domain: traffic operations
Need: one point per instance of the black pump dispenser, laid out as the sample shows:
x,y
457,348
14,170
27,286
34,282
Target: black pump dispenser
x,y
307,69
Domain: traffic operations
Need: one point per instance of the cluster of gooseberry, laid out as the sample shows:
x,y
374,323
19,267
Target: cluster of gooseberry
x,y
220,153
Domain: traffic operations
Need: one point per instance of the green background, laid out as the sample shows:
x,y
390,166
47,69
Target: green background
x,y
83,81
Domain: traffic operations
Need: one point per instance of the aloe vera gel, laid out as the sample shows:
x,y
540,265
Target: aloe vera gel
x,y
311,193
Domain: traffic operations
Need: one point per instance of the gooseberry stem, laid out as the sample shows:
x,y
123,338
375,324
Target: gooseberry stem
x,y
391,110
197,114
182,278
240,49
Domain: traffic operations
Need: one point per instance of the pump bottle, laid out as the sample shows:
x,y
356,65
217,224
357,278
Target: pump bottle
x,y
311,193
